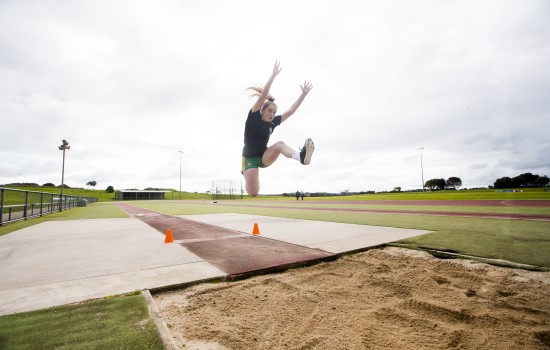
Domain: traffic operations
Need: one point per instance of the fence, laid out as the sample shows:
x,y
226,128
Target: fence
x,y
18,205
225,189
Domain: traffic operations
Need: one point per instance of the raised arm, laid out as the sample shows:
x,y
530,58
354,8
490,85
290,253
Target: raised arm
x,y
265,91
306,88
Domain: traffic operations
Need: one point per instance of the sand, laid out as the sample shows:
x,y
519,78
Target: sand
x,y
387,298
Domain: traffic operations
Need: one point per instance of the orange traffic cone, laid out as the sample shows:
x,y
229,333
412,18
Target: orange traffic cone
x,y
256,230
169,238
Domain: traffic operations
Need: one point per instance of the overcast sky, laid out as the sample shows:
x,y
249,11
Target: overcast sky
x,y
130,83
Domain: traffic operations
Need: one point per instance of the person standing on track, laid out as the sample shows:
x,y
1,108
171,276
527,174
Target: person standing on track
x,y
260,123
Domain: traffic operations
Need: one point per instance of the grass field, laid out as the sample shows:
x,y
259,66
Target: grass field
x,y
113,323
121,322
94,211
101,195
528,193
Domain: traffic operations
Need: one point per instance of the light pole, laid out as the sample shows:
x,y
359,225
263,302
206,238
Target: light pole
x,y
181,152
64,146
422,168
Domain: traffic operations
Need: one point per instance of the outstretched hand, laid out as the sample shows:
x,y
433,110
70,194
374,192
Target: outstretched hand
x,y
276,68
306,88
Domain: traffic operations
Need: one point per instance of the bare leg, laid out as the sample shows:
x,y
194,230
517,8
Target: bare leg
x,y
252,176
252,181
272,152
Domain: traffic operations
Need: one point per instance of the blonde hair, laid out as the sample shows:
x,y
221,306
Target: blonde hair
x,y
256,91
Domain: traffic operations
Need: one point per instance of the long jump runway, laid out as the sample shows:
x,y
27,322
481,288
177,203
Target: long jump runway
x,y
62,262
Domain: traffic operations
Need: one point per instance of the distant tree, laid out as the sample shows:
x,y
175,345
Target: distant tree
x,y
48,184
430,184
435,184
521,181
503,182
543,181
396,189
454,182
525,180
110,189
91,183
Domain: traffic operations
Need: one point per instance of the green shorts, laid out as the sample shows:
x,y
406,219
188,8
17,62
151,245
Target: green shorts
x,y
252,162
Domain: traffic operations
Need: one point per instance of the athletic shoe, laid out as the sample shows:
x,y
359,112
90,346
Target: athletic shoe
x,y
306,152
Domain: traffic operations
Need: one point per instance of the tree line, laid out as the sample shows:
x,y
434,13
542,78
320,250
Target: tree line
x,y
92,183
452,183
525,180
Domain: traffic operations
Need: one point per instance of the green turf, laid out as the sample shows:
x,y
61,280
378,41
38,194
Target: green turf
x,y
483,194
486,194
379,207
13,197
181,208
100,210
92,211
111,323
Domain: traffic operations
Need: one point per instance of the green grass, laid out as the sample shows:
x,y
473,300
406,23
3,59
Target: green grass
x,y
528,193
92,211
113,323
182,208
12,197
98,210
366,206
15,198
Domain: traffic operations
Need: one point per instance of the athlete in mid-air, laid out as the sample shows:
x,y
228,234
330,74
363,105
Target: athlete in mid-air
x,y
261,121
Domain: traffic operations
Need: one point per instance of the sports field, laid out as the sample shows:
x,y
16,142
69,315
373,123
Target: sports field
x,y
382,298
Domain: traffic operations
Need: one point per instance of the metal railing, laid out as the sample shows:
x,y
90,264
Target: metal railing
x,y
18,205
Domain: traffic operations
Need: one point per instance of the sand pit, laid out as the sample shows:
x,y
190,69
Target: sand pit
x,y
380,299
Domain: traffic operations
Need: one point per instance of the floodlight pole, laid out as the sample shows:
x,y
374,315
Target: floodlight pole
x,y
422,168
181,152
64,146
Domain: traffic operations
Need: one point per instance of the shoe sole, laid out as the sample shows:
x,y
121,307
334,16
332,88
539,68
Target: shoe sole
x,y
309,146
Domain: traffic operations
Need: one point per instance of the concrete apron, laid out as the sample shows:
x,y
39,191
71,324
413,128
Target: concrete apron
x,y
62,262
